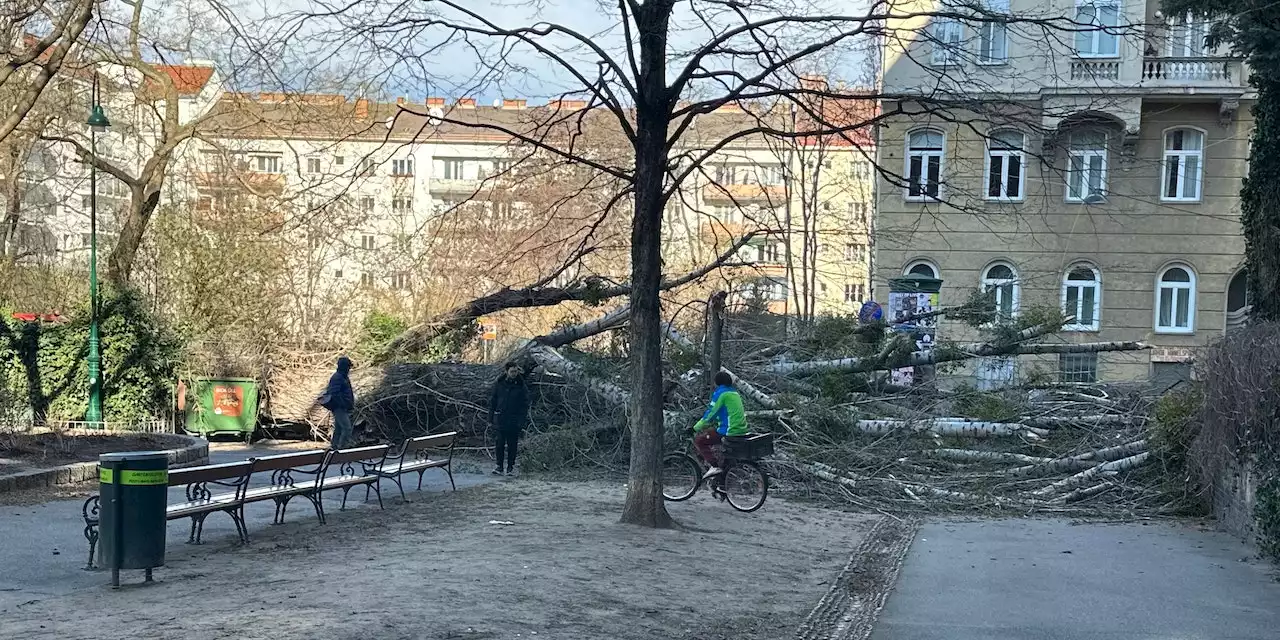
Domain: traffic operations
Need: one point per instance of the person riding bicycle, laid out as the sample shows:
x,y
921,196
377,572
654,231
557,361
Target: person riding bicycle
x,y
730,419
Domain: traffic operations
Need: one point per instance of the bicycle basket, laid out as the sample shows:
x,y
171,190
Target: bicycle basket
x,y
749,447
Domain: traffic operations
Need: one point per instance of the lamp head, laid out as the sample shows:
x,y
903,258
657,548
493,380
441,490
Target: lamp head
x,y
98,119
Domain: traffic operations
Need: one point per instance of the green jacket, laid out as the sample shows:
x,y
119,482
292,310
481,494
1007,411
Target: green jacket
x,y
727,412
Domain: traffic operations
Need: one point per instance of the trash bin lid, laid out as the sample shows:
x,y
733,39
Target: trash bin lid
x,y
123,456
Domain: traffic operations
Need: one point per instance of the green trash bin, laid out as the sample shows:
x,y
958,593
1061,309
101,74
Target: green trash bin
x,y
223,406
133,490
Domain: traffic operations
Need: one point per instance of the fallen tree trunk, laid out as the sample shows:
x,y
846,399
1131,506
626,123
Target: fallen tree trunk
x,y
552,361
1115,466
951,426
1050,422
569,335
969,455
744,387
461,318
1082,493
1086,460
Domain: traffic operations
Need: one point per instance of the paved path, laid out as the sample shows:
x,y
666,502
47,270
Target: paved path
x,y
43,549
1053,580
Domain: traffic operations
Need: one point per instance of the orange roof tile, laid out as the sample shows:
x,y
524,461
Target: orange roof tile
x,y
188,80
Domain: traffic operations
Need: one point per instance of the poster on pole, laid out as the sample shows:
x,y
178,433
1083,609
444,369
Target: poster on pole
x,y
905,309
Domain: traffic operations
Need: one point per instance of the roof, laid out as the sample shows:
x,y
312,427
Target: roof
x,y
187,79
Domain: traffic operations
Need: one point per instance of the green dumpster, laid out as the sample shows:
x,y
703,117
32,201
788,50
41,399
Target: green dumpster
x,y
223,406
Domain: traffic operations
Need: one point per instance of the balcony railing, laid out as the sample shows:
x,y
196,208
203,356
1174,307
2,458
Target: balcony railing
x,y
1085,70
1193,72
744,193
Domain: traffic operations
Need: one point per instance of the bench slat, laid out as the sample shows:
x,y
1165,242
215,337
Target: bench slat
x,y
208,473
289,460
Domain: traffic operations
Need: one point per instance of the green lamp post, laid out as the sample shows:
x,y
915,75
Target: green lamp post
x,y
97,123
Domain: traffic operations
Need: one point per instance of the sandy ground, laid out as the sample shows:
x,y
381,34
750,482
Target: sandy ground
x,y
438,568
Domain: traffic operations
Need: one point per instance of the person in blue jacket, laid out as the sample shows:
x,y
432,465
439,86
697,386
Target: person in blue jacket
x,y
340,399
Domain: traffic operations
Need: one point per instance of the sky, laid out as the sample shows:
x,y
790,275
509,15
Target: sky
x,y
382,46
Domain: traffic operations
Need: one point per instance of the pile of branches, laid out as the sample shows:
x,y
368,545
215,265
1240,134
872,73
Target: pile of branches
x,y
1076,450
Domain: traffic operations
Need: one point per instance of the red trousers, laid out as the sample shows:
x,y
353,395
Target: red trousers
x,y
705,442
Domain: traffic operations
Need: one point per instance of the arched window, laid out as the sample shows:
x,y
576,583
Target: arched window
x,y
1237,300
1005,163
1176,300
921,268
1183,160
1001,279
924,164
1082,297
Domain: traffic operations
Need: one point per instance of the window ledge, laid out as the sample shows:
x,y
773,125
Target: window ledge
x,y
1005,200
993,63
1174,332
1182,200
1077,328
1096,56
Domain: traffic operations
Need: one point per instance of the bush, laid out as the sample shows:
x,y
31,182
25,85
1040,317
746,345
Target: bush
x,y
377,330
47,364
1267,515
987,406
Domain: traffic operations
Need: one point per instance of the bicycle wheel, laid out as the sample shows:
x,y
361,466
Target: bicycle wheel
x,y
681,476
746,485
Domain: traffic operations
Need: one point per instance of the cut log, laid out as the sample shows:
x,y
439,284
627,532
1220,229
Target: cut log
x,y
1115,466
1049,422
1082,493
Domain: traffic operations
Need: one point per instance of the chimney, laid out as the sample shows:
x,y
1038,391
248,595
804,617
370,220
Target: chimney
x,y
466,103
567,105
362,108
513,104
435,102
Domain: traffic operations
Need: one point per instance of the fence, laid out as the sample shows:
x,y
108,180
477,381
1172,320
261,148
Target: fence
x,y
154,425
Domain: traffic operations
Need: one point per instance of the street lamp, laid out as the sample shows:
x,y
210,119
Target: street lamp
x,y
98,123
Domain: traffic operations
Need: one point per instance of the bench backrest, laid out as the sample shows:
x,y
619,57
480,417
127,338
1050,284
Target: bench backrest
x,y
289,460
344,456
209,473
438,441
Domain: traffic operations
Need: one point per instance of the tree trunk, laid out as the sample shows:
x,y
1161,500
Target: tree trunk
x,y
644,505
120,261
715,331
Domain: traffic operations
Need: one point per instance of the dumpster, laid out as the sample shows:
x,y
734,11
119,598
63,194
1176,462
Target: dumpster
x,y
133,487
223,406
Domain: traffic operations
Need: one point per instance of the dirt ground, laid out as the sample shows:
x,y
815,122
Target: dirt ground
x,y
23,452
441,568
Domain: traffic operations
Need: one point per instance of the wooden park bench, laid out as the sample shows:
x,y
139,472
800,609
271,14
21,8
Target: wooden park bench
x,y
201,484
417,454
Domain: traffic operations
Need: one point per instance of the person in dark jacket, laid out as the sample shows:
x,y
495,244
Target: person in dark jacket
x,y
340,400
508,411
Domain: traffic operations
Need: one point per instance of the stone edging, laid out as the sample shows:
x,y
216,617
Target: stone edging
x,y
195,452
849,609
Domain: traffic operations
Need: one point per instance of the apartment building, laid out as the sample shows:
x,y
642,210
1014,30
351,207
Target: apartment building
x,y
1094,170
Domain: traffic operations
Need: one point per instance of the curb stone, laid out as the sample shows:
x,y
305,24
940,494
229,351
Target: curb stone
x,y
195,452
849,609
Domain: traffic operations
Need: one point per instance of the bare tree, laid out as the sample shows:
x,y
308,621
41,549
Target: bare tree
x,y
37,36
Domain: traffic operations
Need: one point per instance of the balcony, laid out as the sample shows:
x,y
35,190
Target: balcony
x,y
775,194
1093,70
1194,73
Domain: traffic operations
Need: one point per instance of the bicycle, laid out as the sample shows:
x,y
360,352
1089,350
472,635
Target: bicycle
x,y
743,483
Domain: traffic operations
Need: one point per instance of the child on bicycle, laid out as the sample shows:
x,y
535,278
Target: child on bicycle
x,y
729,419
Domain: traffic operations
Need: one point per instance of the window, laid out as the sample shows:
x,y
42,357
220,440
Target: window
x,y
1188,37
367,167
266,164
1004,165
204,203
948,41
402,167
400,281
337,274
1176,300
727,214
854,293
861,169
1082,298
401,205
855,252
313,165
921,268
770,174
1078,367
339,160
858,212
1001,281
769,252
1183,158
451,169
367,242
366,204
1102,41
924,164
366,280
1086,165
993,43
